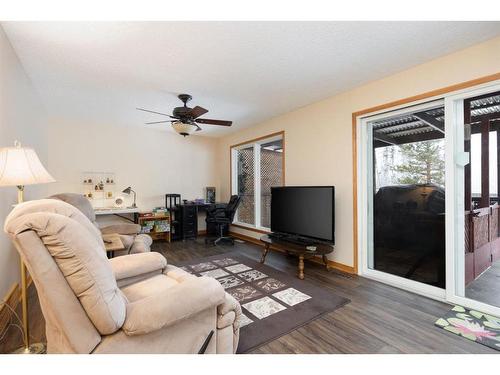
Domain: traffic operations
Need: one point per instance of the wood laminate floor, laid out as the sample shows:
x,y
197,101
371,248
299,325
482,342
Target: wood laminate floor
x,y
379,318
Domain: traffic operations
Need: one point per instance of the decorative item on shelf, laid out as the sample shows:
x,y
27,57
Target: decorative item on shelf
x,y
119,202
20,166
210,194
128,191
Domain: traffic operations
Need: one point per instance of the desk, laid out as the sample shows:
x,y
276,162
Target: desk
x,y
119,212
185,219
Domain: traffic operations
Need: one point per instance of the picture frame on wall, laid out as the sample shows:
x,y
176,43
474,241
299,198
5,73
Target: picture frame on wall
x,y
210,194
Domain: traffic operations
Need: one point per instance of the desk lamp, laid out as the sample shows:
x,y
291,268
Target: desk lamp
x,y
127,191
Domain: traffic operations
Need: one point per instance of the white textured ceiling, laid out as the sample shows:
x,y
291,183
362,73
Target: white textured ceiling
x,y
246,72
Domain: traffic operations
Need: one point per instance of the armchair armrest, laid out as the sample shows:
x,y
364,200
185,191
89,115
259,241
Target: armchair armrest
x,y
229,313
173,305
122,228
133,265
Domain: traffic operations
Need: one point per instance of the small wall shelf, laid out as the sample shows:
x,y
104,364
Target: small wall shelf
x,y
99,188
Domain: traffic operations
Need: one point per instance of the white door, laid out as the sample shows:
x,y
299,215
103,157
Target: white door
x,y
401,195
472,164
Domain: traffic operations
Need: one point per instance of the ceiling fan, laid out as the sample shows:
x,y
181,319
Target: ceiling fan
x,y
185,120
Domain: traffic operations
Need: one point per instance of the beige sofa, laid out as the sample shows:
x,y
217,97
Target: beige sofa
x,y
131,304
129,233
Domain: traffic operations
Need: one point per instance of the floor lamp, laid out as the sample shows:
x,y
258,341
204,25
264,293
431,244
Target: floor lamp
x,y
20,166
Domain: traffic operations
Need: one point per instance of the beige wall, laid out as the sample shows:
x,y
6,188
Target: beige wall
x,y
318,137
154,162
23,118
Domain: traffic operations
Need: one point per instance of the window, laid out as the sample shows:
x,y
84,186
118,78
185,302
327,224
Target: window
x,y
256,167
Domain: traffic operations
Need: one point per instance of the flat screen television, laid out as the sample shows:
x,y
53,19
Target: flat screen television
x,y
304,211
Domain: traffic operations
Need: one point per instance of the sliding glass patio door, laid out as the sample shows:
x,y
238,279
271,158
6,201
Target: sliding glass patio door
x,y
404,196
473,257
428,197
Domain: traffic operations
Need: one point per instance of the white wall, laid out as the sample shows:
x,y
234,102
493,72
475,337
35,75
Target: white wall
x,y
23,118
318,137
153,162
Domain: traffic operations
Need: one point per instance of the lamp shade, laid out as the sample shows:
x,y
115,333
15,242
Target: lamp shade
x,y
20,166
183,128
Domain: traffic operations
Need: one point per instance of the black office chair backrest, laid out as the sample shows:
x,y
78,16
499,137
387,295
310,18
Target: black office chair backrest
x,y
232,206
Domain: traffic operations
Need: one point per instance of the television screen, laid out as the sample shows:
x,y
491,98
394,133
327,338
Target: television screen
x,y
307,211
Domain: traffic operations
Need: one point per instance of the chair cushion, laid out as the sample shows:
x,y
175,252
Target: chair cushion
x,y
78,201
82,260
149,287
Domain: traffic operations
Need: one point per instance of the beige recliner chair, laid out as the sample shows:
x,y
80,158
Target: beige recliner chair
x,y
130,304
129,233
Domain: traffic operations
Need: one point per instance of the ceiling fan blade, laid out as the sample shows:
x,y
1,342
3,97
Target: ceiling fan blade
x,y
198,111
156,122
199,129
214,122
158,113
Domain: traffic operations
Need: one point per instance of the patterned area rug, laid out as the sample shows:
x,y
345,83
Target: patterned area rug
x,y
273,302
473,325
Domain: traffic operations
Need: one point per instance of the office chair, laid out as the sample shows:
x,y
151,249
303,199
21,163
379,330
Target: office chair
x,y
222,217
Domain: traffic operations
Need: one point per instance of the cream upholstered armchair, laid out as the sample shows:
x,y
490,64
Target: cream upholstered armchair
x,y
131,304
129,233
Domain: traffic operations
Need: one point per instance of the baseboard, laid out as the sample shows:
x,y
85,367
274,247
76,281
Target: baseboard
x,y
243,237
12,298
335,265
202,232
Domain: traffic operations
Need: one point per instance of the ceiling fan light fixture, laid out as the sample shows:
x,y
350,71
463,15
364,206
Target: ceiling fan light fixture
x,y
184,129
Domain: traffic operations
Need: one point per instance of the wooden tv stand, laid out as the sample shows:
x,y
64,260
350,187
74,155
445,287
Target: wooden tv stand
x,y
295,249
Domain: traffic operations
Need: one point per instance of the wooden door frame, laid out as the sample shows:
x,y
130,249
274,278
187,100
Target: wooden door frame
x,y
391,105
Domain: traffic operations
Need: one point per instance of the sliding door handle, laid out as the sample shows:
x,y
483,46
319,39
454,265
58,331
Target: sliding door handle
x,y
462,158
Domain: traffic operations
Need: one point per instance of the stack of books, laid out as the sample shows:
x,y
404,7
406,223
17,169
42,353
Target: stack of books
x,y
161,226
147,226
160,211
